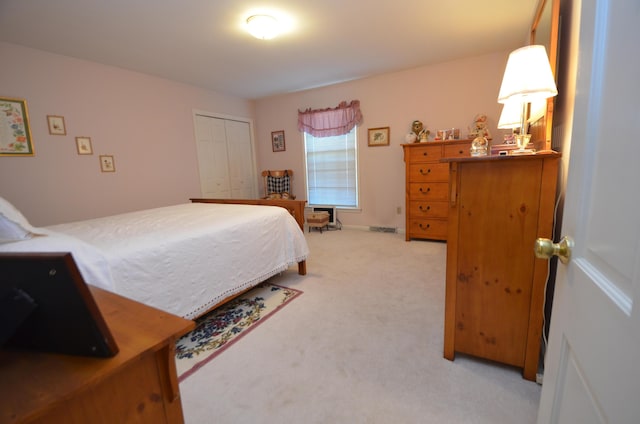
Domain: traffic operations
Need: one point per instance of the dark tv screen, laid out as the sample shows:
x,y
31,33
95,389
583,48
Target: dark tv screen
x,y
45,305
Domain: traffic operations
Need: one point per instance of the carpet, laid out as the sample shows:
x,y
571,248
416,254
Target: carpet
x,y
220,328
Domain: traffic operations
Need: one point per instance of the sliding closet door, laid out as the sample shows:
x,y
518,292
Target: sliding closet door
x,y
225,158
241,156
211,141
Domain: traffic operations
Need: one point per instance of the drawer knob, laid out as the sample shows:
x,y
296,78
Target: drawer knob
x,y
460,152
427,208
425,227
425,154
425,173
425,191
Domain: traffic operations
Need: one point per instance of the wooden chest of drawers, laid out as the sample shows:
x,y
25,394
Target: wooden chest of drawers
x,y
427,186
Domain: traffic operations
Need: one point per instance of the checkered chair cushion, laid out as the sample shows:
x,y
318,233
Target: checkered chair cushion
x,y
278,184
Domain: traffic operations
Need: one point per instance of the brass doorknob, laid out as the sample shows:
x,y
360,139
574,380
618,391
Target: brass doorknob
x,y
545,249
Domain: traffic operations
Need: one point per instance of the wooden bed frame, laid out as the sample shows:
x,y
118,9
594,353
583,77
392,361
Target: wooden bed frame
x,y
295,208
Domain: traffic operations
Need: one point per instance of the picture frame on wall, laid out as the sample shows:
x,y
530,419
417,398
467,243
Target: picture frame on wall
x,y
15,131
83,144
277,141
107,164
56,125
379,136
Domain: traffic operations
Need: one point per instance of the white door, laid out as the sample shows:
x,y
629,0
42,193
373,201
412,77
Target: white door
x,y
211,143
225,157
241,172
592,366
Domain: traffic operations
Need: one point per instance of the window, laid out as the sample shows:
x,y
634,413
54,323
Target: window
x,y
332,169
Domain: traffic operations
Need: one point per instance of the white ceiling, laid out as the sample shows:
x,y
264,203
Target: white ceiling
x,y
202,42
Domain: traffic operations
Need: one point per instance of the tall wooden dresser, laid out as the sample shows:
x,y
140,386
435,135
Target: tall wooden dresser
x,y
427,182
495,285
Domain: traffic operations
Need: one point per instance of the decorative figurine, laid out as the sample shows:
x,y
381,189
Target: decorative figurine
x,y
418,134
479,127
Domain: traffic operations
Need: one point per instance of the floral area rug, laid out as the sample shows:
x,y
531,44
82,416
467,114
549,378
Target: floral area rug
x,y
225,325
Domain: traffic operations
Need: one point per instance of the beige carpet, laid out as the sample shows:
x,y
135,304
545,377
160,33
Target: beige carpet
x,y
363,345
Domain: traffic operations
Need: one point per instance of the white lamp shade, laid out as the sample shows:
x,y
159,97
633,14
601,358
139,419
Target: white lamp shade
x,y
511,116
264,27
527,76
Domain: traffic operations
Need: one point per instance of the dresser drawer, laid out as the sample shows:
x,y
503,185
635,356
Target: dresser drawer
x,y
425,153
433,209
428,191
458,150
419,172
435,229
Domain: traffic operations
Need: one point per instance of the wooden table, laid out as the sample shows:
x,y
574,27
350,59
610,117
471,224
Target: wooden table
x,y
138,385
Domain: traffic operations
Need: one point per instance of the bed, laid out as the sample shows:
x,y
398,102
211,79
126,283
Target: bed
x,y
184,259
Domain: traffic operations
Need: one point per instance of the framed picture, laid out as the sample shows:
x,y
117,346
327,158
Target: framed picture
x,y
379,136
83,144
56,125
277,141
15,132
107,164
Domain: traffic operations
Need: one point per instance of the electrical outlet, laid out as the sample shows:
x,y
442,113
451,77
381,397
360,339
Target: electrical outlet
x,y
399,210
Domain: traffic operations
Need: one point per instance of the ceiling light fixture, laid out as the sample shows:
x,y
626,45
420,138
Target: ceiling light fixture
x,y
264,27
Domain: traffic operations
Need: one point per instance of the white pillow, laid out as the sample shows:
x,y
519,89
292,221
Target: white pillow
x,y
11,231
13,225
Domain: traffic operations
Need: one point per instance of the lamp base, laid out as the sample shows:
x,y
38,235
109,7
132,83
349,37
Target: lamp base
x,y
522,152
522,141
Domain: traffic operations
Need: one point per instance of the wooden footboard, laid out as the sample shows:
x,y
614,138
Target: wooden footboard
x,y
295,208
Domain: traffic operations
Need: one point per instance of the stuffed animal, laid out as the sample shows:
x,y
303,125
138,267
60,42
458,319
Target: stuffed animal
x,y
479,127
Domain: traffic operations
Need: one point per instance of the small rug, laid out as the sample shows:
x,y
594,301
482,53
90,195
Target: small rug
x,y
225,325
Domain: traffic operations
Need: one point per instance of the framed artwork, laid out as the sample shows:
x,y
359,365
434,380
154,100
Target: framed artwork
x,y
107,164
15,132
277,141
56,125
83,144
379,136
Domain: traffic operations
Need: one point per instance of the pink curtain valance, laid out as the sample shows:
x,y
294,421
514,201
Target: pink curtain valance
x,y
331,121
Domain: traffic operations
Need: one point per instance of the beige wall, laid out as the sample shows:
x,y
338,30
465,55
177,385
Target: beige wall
x,y
144,121
147,124
442,96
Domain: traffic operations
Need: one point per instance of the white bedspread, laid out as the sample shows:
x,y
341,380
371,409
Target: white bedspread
x,y
186,258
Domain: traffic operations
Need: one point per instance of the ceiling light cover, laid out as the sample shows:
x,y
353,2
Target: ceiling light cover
x,y
264,27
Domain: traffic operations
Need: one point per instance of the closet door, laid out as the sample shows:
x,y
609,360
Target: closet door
x,y
240,155
211,142
225,158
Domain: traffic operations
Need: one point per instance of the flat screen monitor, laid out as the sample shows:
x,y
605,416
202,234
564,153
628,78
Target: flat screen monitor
x,y
46,305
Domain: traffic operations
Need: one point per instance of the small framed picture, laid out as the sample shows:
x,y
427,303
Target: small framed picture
x,y
83,144
56,125
379,136
107,164
277,141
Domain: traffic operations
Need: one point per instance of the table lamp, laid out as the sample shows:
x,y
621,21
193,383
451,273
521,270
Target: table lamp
x,y
527,77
